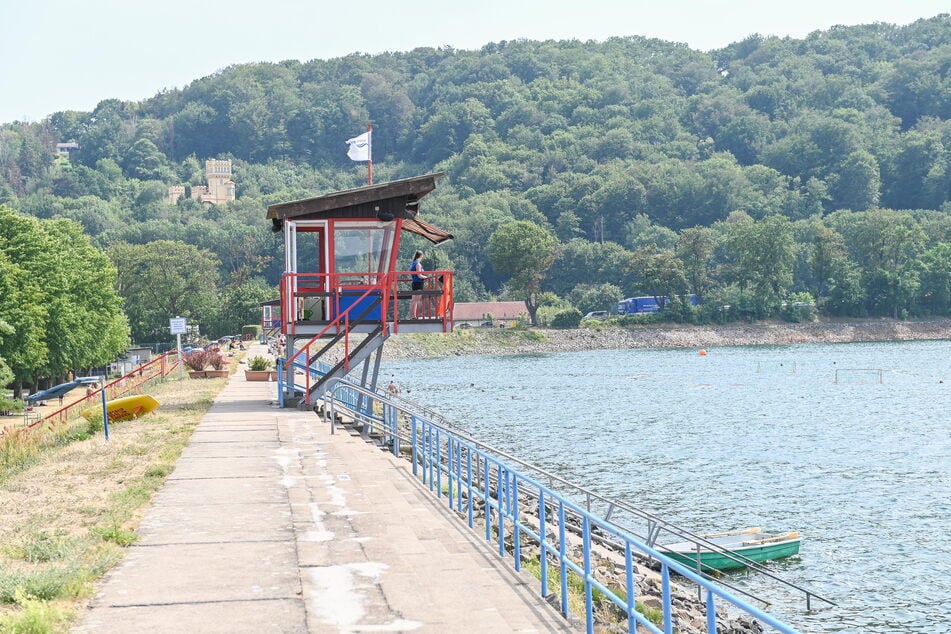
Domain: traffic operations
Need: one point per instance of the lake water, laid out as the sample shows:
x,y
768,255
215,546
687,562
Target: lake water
x,y
747,436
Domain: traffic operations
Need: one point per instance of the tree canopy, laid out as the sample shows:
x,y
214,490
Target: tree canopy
x,y
523,251
58,299
652,166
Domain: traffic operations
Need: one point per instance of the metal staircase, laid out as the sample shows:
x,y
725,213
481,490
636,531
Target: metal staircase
x,y
335,334
373,342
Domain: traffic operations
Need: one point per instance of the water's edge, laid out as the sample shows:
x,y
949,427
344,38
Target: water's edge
x,y
539,340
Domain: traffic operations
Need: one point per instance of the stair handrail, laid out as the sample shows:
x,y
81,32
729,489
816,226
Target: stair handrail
x,y
343,317
344,364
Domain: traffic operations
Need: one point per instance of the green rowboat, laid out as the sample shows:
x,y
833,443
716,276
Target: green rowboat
x,y
749,544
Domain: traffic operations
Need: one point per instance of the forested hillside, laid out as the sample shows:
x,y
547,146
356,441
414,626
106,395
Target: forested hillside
x,y
751,176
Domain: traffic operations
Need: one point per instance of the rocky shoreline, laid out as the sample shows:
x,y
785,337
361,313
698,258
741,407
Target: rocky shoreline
x,y
608,337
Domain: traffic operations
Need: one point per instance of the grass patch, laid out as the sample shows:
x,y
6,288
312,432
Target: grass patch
x,y
115,533
22,448
40,547
34,616
159,471
604,608
70,502
18,451
46,583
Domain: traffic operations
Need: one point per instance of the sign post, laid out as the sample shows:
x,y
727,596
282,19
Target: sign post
x,y
178,327
105,410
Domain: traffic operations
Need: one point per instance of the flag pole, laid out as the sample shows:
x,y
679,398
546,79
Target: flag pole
x,y
369,153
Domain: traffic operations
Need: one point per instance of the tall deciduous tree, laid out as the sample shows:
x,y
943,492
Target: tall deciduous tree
x,y
23,347
241,305
886,245
936,278
6,374
22,298
659,272
763,254
163,279
695,249
87,327
524,251
57,293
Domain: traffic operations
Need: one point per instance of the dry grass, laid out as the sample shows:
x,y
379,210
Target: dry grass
x,y
67,513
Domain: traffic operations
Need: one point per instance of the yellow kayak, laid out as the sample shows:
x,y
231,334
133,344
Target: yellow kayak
x,y
125,408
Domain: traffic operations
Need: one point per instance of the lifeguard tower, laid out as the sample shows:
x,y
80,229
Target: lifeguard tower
x,y
343,293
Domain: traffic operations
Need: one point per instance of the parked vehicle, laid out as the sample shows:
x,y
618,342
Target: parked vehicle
x,y
647,304
597,314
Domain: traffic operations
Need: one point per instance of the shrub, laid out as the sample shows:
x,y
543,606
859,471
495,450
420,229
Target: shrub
x,y
641,319
196,360
800,307
259,364
216,360
570,318
252,331
10,406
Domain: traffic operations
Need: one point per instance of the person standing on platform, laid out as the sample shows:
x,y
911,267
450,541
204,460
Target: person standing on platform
x,y
416,267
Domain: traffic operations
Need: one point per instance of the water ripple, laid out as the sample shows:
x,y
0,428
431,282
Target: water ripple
x,y
784,437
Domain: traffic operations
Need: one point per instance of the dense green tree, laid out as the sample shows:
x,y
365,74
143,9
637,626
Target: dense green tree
x,y
329,115
575,265
87,327
58,297
856,183
23,348
885,244
523,251
164,279
825,256
658,272
935,279
144,161
240,305
24,253
6,374
920,159
695,250
106,135
587,298
580,262
762,254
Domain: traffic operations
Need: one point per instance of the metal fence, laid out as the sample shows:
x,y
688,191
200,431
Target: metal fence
x,y
527,519
134,381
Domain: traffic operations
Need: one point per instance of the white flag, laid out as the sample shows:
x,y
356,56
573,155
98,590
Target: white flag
x,y
359,147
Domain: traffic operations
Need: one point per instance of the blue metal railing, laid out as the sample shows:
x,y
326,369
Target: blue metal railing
x,y
317,370
517,508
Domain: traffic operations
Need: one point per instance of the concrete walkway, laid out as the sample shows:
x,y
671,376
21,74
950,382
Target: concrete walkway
x,y
271,524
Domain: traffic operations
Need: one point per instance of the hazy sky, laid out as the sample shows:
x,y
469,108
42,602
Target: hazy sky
x,y
71,54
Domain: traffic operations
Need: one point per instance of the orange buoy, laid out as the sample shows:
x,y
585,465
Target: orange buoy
x,y
703,353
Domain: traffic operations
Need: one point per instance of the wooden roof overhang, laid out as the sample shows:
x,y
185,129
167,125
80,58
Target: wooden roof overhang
x,y
386,201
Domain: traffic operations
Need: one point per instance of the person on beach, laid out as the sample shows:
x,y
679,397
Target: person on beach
x,y
417,283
